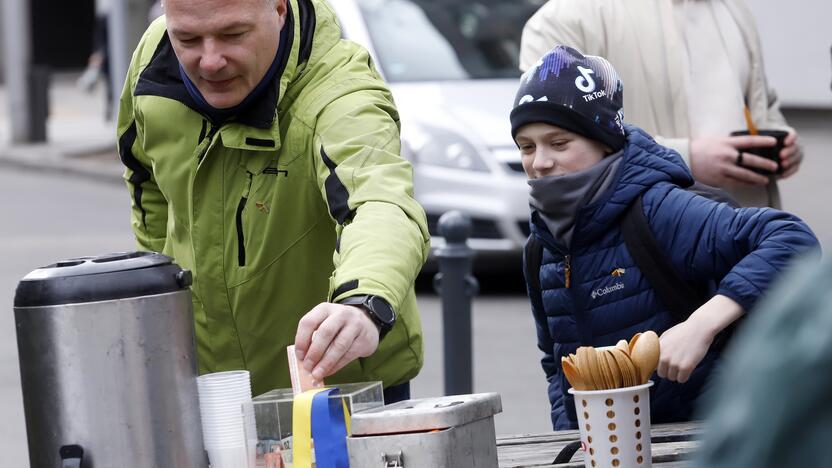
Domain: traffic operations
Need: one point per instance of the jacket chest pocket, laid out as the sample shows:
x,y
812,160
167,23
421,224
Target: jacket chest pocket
x,y
272,212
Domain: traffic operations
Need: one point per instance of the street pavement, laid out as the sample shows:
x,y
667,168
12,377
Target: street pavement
x,y
64,199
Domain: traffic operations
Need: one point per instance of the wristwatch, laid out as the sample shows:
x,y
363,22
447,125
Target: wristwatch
x,y
379,311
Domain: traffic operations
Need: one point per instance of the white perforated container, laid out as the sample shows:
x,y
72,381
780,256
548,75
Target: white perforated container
x,y
615,426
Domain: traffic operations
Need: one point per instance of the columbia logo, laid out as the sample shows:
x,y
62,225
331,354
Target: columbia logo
x,y
604,291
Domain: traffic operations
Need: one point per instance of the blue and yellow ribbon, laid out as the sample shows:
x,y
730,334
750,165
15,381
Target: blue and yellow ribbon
x,y
326,420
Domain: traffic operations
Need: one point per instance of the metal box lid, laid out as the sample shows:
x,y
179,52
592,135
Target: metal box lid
x,y
426,414
118,275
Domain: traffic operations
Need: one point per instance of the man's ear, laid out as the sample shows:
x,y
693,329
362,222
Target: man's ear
x,y
281,7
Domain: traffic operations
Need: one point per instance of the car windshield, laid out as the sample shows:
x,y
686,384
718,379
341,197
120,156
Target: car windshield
x,y
436,40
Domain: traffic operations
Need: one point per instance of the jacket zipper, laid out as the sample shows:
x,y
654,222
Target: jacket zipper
x,y
241,242
213,131
567,270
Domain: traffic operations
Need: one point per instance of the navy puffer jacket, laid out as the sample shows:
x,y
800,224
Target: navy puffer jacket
x,y
739,251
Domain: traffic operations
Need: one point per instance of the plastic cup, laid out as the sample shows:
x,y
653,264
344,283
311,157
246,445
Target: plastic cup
x,y
615,426
241,456
224,375
222,397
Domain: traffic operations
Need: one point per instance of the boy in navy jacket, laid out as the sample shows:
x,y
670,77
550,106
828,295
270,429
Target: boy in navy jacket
x,y
585,168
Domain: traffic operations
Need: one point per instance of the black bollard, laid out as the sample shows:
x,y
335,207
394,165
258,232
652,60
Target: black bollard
x,y
39,77
456,286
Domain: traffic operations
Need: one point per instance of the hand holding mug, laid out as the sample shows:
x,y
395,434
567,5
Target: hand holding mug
x,y
727,161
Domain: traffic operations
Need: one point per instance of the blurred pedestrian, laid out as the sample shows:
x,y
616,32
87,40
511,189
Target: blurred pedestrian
x,y
691,68
587,170
98,63
263,154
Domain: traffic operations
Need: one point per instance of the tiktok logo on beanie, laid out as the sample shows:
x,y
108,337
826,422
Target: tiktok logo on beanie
x,y
585,82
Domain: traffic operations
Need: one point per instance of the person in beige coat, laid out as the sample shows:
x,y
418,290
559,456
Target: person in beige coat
x,y
690,67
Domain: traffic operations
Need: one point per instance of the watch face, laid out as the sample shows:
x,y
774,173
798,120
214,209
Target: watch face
x,y
382,310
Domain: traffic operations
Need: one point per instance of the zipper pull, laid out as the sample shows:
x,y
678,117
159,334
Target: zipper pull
x,y
247,192
567,271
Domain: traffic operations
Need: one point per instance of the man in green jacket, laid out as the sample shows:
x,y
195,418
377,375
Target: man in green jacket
x,y
263,153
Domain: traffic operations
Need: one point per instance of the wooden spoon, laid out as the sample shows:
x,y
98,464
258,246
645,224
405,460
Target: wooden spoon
x,y
580,365
629,374
606,372
584,367
645,354
595,368
617,377
632,343
573,359
572,374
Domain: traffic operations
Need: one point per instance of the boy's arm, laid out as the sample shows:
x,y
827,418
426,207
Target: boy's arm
x,y
685,345
744,249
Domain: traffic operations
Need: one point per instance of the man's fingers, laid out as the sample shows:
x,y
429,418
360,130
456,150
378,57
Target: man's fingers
x,y
337,350
752,160
324,335
788,152
789,156
791,138
752,141
307,326
349,356
790,171
745,176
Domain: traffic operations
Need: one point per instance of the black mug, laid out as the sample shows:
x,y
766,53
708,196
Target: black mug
x,y
769,152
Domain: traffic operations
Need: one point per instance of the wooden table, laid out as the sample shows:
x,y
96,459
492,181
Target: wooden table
x,y
672,446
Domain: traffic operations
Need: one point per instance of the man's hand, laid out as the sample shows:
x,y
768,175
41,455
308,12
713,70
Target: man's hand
x,y
331,336
790,155
713,160
684,346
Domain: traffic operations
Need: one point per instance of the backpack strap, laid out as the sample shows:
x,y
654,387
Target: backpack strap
x,y
713,193
532,259
680,298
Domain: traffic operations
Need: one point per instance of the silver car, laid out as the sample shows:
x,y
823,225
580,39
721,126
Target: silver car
x,y
452,67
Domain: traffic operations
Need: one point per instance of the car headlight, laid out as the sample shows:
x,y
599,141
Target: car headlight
x,y
439,147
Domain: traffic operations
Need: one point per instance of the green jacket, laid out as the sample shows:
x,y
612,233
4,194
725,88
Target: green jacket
x,y
303,198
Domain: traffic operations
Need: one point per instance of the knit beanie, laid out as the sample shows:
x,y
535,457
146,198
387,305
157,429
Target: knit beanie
x,y
576,92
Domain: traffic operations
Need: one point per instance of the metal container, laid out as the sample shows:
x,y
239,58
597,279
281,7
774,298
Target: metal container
x,y
446,432
108,364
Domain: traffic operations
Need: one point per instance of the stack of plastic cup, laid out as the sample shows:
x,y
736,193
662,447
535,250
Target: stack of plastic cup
x,y
223,399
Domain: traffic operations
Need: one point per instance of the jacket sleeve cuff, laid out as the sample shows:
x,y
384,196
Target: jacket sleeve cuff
x,y
746,301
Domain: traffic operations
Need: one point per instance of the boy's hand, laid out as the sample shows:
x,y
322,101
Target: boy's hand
x,y
684,346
